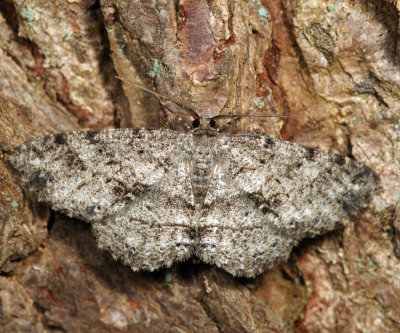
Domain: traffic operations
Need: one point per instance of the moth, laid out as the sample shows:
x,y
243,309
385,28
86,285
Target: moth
x,y
156,196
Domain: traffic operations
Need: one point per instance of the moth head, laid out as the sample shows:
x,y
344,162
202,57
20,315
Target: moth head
x,y
203,123
200,123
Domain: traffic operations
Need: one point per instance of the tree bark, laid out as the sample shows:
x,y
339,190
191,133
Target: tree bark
x,y
333,64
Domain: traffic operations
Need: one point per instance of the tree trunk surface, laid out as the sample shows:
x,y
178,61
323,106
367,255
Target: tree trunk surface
x,y
334,64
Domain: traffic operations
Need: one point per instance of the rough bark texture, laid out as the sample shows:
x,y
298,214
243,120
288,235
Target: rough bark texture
x,y
334,63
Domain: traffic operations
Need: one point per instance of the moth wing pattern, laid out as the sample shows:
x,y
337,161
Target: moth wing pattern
x,y
155,229
268,194
129,183
134,186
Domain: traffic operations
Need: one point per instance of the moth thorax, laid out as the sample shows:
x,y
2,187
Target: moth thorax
x,y
202,165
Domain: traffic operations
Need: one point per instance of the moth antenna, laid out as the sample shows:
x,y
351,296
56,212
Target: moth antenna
x,y
237,116
183,106
252,116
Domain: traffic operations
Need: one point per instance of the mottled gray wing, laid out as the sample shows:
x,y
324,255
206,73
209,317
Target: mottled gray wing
x,y
267,194
131,184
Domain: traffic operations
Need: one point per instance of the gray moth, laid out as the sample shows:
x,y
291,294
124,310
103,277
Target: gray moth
x,y
156,196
